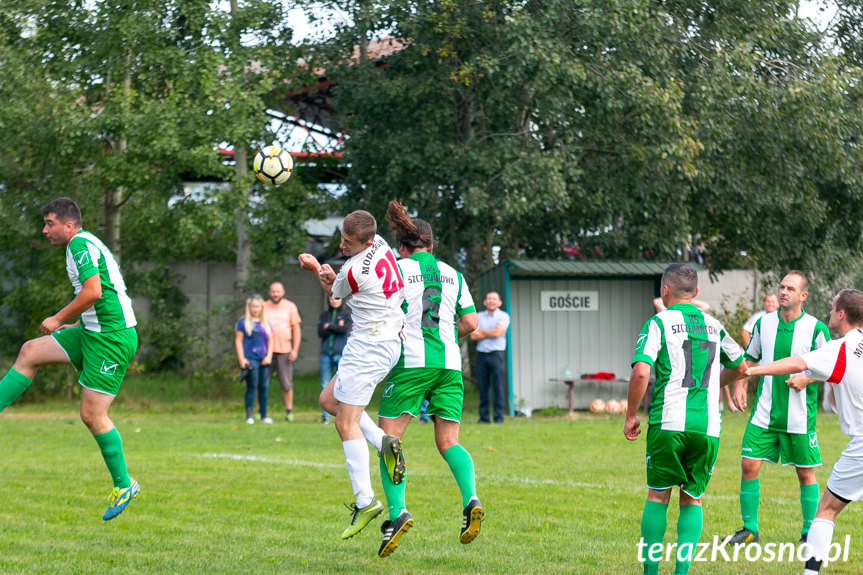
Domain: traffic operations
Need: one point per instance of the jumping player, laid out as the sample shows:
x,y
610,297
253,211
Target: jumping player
x,y
439,310
370,283
99,343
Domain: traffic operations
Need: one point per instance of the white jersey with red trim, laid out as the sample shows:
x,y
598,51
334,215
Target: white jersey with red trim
x,y
841,362
371,285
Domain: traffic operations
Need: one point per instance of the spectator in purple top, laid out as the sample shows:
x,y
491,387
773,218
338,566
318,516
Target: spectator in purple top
x,y
255,353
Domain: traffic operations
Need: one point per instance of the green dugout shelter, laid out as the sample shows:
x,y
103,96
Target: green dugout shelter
x,y
583,314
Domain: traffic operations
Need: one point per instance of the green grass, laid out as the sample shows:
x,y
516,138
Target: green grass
x,y
562,496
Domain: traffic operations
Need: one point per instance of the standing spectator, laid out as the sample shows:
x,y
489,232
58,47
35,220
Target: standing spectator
x,y
771,304
334,326
285,321
491,357
254,346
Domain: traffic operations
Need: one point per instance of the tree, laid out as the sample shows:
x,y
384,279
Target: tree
x,y
118,104
630,129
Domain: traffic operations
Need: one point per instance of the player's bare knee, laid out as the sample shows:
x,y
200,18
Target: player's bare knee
x,y
28,356
750,468
328,403
444,442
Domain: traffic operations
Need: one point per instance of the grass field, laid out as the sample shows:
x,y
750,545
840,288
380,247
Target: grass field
x,y
561,495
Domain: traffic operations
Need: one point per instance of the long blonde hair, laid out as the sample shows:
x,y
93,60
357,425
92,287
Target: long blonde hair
x,y
250,323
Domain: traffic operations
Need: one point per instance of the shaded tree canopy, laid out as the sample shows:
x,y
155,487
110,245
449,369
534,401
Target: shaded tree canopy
x,y
625,129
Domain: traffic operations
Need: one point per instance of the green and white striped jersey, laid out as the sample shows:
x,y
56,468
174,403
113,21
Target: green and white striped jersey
x,y
86,256
778,407
436,296
686,347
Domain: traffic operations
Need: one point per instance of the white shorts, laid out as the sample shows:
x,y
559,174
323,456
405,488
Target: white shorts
x,y
846,479
364,364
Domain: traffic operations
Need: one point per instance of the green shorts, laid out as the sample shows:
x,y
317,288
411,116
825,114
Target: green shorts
x,y
405,390
102,358
797,449
681,458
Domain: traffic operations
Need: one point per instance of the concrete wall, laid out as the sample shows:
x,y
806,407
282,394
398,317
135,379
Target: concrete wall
x,y
732,285
211,285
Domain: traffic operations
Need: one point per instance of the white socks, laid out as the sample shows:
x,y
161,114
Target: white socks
x,y
373,434
819,539
357,462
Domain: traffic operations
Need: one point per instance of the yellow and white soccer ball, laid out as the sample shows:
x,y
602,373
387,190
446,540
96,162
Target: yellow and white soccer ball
x,y
273,165
597,406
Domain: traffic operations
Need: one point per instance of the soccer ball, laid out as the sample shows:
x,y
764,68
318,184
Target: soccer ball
x,y
613,406
597,406
273,165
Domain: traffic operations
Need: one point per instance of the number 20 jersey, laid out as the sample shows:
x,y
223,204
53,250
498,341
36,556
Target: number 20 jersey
x,y
436,296
371,285
686,347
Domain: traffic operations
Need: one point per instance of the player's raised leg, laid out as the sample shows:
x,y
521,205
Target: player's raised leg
x,y
34,353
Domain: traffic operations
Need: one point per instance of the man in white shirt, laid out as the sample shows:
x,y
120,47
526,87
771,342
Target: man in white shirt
x,y
491,357
840,362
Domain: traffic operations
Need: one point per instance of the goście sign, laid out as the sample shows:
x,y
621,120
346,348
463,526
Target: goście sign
x,y
569,301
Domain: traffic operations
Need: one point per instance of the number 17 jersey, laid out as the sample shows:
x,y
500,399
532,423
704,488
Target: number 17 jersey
x,y
687,349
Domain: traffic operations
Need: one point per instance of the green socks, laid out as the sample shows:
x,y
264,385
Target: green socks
x,y
112,452
689,525
809,504
461,465
395,493
12,385
653,524
750,497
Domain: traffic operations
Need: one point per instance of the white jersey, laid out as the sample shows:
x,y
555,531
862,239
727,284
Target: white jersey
x,y
841,362
371,285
